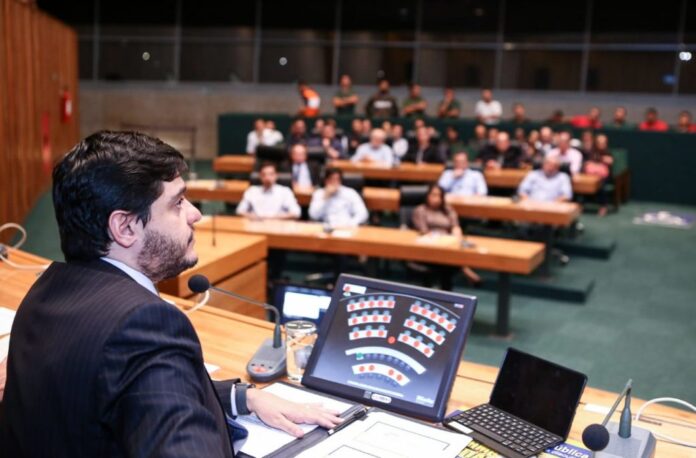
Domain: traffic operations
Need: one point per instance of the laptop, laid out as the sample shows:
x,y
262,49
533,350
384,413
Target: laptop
x,y
295,301
531,408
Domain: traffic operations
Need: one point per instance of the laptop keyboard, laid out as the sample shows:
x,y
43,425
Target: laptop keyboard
x,y
507,430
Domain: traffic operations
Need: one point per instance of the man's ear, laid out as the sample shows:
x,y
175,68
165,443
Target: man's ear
x,y
124,228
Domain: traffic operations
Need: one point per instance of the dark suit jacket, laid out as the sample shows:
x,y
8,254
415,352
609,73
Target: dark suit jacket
x,y
431,155
511,158
101,367
314,171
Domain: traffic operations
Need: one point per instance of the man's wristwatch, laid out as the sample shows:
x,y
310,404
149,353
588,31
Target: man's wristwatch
x,y
240,397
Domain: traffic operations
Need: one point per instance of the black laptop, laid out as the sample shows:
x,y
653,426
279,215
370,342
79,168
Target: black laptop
x,y
531,408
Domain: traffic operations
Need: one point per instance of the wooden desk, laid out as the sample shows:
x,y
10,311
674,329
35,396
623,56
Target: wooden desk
x,y
511,179
234,163
229,339
387,199
404,172
236,262
498,255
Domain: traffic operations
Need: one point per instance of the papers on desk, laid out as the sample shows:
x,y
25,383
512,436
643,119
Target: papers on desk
x,y
6,319
263,439
389,436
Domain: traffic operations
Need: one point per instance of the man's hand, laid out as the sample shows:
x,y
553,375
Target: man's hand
x,y
330,190
286,415
3,377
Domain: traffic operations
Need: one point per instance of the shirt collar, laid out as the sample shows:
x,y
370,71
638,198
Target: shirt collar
x,y
138,276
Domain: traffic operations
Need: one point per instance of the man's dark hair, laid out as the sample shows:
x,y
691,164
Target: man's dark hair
x,y
651,110
269,164
105,172
331,171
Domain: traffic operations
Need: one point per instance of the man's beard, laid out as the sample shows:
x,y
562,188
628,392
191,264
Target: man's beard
x,y
163,257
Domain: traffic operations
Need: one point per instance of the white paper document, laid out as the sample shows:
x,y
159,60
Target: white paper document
x,y
263,439
6,319
384,435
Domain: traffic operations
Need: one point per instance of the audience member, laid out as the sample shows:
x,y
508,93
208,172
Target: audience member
x,y
685,123
619,121
599,163
449,107
414,105
314,137
376,150
530,149
387,127
366,127
567,154
452,143
298,132
480,138
275,137
382,104
519,115
461,180
492,134
398,143
304,174
435,217
587,143
587,121
546,140
269,200
355,137
557,117
258,136
332,144
423,150
310,101
488,111
502,154
652,122
345,98
548,184
336,205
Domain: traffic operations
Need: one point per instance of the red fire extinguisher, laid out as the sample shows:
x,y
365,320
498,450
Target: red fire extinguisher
x,y
66,106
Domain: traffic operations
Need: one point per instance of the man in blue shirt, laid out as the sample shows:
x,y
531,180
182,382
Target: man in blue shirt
x,y
375,150
337,205
547,184
461,180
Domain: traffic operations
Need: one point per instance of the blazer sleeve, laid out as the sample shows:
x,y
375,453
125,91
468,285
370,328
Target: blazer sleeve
x,y
156,397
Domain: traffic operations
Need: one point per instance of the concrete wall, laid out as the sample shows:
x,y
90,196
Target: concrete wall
x,y
113,105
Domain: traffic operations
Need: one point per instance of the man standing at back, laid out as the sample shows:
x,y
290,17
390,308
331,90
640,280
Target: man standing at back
x,y
101,366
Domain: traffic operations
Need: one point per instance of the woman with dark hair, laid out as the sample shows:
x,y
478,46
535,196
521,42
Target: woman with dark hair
x,y
434,216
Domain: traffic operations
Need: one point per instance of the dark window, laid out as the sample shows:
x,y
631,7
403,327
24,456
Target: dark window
x,y
216,61
629,21
366,64
84,53
545,21
393,20
282,19
620,71
456,67
541,70
460,22
136,60
290,63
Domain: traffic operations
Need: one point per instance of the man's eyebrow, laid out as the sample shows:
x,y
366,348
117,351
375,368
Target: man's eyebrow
x,y
178,195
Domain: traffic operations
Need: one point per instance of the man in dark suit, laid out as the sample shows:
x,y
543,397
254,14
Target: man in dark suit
x,y
502,154
423,150
304,174
99,365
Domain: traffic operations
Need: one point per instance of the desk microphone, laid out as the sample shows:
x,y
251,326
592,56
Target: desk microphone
x,y
268,362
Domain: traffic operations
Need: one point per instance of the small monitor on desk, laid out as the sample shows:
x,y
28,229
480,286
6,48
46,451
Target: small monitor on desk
x,y
301,302
391,345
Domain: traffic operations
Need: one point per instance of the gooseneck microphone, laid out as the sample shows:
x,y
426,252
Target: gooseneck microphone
x,y
596,437
269,360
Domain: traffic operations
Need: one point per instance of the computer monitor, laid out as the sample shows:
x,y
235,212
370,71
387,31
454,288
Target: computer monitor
x,y
300,302
392,345
538,391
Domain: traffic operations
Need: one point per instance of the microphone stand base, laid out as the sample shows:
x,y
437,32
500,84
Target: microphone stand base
x,y
268,363
641,444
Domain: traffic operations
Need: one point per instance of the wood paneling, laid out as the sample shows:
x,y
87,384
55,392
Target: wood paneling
x,y
38,60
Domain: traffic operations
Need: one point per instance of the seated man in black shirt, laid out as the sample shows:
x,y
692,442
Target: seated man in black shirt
x,y
501,154
423,150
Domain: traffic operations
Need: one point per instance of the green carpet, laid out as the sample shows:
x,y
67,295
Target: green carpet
x,y
639,321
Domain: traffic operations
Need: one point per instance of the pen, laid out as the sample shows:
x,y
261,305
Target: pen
x,y
349,420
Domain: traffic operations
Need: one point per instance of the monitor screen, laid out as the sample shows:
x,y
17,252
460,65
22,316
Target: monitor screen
x,y
300,302
392,345
538,391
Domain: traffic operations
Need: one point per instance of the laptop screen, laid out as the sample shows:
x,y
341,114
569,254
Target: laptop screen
x,y
538,391
298,302
392,345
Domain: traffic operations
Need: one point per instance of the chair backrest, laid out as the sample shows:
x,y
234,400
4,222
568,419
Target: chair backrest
x,y
412,195
275,154
316,155
354,180
284,179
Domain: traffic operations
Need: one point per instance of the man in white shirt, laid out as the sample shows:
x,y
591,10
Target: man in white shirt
x,y
566,154
548,184
461,180
256,137
488,111
375,150
336,205
269,200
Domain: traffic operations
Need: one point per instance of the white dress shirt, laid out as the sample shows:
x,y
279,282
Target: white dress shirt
x,y
383,154
470,183
488,109
539,187
136,275
343,209
572,157
275,201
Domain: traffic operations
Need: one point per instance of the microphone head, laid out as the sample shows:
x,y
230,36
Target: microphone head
x,y
595,437
199,283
